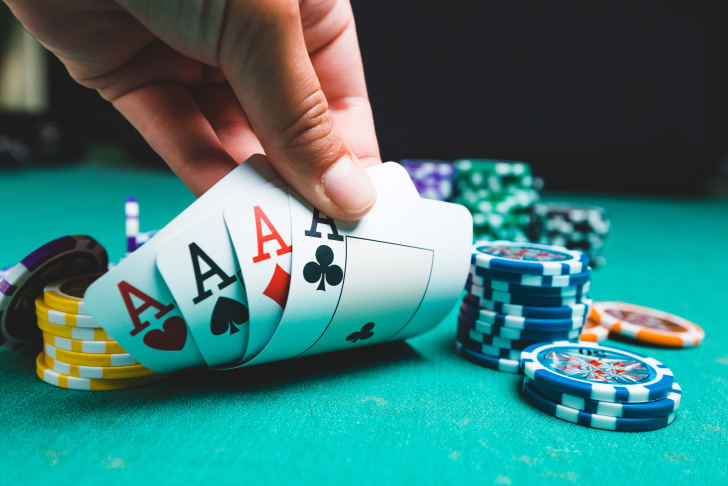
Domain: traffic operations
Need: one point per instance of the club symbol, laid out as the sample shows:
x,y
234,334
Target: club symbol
x,y
322,270
365,333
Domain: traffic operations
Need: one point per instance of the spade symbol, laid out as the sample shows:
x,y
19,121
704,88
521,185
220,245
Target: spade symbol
x,y
322,270
365,333
228,313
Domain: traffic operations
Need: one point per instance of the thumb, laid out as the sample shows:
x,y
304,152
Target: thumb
x,y
268,66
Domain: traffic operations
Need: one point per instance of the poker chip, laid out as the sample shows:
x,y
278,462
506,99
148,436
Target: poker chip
x,y
594,420
145,236
81,346
61,380
87,359
647,325
21,284
523,323
517,334
527,280
499,195
517,289
593,332
563,312
67,295
488,349
583,228
97,372
523,299
658,408
131,229
491,340
597,372
81,333
432,178
500,364
134,237
528,258
42,311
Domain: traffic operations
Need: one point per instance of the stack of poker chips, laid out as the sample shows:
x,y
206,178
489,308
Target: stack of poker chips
x,y
583,228
599,387
499,195
519,294
77,353
432,178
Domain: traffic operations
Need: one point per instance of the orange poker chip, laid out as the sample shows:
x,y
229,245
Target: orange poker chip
x,y
593,332
646,324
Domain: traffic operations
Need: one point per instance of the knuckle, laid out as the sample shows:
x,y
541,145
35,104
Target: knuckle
x,y
313,127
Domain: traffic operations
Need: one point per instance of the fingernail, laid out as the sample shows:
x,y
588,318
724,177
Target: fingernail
x,y
348,186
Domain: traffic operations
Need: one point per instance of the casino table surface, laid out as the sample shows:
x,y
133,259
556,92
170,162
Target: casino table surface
x,y
411,412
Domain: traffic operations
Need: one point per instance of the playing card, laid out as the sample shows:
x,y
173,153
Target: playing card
x,y
365,282
260,229
199,266
132,302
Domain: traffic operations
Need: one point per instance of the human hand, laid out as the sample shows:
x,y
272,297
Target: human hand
x,y
209,83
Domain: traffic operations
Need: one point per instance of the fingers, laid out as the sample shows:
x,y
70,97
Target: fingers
x,y
172,123
218,103
264,57
330,34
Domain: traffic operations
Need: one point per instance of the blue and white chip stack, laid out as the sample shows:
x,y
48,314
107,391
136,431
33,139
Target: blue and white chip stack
x,y
519,294
432,178
599,387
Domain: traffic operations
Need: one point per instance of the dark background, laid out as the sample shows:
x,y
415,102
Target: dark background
x,y
602,95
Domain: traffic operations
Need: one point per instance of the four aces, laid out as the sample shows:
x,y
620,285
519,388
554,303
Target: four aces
x,y
251,273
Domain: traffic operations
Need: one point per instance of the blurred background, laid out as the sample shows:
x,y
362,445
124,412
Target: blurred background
x,y
602,96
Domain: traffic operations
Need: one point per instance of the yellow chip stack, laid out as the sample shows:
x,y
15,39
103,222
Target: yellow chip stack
x,y
77,353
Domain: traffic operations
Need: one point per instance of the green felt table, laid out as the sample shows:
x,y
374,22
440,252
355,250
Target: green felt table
x,y
411,412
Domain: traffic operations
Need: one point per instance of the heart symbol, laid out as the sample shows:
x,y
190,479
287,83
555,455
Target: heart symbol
x,y
171,337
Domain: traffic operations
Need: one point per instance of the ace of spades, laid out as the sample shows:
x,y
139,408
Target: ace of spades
x,y
203,275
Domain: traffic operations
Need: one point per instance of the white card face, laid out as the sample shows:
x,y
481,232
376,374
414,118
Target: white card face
x,y
413,237
134,305
392,277
199,266
260,229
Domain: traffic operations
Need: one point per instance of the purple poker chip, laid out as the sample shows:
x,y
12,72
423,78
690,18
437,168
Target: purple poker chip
x,y
23,283
432,178
131,229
